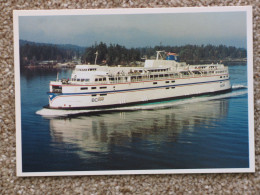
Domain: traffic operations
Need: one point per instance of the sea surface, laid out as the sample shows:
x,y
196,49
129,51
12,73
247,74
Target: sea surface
x,y
193,133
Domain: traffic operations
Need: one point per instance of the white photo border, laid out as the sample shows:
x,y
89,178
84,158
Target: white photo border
x,y
247,9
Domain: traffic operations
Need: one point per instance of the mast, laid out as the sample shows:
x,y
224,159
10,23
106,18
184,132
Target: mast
x,y
96,58
159,54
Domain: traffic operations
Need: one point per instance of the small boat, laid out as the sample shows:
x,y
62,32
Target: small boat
x,y
95,86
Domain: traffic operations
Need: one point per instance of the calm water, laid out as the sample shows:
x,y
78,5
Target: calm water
x,y
207,132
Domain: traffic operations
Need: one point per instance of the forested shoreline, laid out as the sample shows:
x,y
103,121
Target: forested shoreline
x,y
115,54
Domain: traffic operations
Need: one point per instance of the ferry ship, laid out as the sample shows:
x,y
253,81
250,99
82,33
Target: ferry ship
x,y
95,86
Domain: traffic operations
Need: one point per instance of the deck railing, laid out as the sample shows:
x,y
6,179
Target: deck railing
x,y
151,77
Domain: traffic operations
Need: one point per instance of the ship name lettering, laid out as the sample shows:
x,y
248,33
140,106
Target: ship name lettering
x,y
99,99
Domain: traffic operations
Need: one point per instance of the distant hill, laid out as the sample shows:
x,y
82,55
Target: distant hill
x,y
32,53
114,54
60,46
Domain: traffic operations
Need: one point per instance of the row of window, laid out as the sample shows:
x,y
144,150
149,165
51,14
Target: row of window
x,y
158,70
102,94
117,78
101,79
122,78
200,67
140,77
210,72
86,88
81,80
165,82
153,70
104,87
222,71
87,69
223,76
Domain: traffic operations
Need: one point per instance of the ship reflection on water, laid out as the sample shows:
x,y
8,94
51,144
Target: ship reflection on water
x,y
135,131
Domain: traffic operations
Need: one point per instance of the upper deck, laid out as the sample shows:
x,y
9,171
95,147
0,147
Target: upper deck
x,y
94,74
158,69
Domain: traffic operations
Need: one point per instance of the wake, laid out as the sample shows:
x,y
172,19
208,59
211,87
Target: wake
x,y
239,86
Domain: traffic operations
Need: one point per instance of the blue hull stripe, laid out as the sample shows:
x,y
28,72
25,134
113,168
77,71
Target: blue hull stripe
x,y
135,89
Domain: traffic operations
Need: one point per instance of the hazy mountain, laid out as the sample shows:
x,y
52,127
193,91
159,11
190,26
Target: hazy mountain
x,y
60,46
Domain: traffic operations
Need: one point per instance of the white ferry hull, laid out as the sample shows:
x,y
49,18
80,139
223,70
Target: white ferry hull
x,y
123,94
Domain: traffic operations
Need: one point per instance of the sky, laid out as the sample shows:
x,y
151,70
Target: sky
x,y
137,30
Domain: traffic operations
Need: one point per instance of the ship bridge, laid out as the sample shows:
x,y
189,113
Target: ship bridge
x,y
172,61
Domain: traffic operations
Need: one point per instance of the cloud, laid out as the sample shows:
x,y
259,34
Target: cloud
x,y
137,29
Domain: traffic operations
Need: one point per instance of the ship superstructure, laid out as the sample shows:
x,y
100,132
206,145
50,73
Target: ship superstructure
x,y
95,86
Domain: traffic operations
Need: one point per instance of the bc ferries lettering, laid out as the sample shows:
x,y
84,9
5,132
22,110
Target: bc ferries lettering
x,y
98,99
